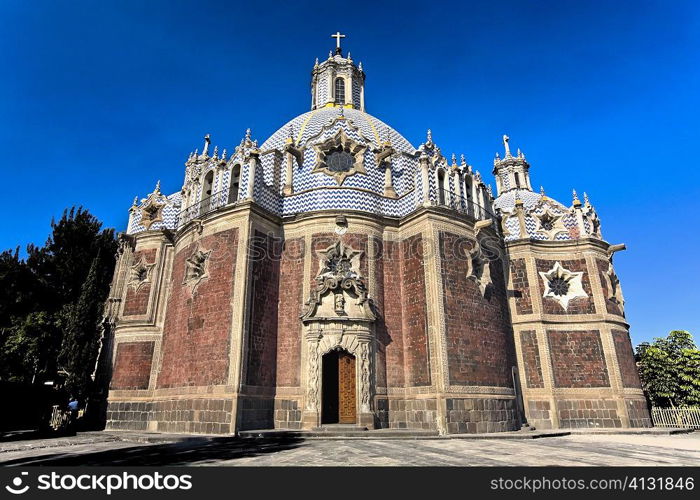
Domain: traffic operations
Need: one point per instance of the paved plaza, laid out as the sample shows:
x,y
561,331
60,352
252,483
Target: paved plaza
x,y
572,450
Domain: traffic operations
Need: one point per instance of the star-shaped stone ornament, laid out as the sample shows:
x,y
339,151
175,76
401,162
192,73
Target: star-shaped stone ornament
x,y
562,285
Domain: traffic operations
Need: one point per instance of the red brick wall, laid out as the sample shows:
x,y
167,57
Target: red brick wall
x,y
132,366
477,328
291,290
136,301
625,359
197,327
392,313
413,301
375,250
611,306
531,359
521,286
262,338
580,305
577,358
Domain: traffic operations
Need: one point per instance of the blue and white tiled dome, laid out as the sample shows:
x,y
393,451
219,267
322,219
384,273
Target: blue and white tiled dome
x,y
314,191
308,125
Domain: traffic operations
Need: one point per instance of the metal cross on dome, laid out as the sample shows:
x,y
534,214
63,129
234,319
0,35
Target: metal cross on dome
x,y
337,37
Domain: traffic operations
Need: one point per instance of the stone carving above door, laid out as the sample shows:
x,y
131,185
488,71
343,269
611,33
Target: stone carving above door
x,y
339,292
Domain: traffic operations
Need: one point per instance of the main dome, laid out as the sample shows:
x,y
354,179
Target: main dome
x,y
308,126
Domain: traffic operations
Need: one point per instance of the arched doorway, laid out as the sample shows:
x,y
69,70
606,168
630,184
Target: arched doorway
x,y
339,403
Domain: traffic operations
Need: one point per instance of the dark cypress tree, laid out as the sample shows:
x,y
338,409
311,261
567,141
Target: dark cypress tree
x,y
82,333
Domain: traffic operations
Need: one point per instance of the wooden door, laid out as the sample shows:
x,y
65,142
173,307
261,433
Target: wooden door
x,y
346,388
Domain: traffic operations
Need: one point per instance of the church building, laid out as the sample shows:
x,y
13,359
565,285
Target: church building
x,y
337,274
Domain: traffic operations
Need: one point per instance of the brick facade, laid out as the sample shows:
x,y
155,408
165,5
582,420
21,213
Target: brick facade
x,y
477,328
136,300
531,359
577,359
132,366
625,359
610,305
521,286
391,330
415,316
264,284
291,289
197,327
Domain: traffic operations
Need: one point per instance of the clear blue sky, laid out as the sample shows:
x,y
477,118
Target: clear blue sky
x,y
100,99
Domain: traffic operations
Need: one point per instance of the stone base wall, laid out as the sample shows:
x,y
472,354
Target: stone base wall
x,y
413,414
381,420
587,413
128,416
256,413
477,415
287,414
638,413
539,414
190,416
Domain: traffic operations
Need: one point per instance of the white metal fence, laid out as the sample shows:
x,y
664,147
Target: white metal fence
x,y
676,417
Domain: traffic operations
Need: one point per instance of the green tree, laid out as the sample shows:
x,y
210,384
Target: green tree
x,y
81,333
45,296
669,369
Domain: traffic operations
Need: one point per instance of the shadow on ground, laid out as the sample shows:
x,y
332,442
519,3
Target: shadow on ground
x,y
181,453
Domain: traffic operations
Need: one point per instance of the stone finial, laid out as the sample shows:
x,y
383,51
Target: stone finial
x,y
136,201
462,160
223,155
576,201
542,191
360,66
157,189
505,144
247,134
387,136
216,151
316,63
585,198
207,141
349,57
454,159
518,200
330,54
498,157
430,136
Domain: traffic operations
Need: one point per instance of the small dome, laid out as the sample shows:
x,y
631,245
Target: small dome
x,y
506,201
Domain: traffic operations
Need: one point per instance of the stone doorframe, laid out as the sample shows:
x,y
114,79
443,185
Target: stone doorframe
x,y
354,337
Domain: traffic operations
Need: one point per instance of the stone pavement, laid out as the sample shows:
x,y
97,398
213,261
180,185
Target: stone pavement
x,y
572,450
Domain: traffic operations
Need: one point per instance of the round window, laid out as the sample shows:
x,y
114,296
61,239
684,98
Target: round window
x,y
340,161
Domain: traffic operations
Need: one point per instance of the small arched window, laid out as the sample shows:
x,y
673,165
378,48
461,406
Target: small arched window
x,y
517,180
235,184
207,191
339,91
441,187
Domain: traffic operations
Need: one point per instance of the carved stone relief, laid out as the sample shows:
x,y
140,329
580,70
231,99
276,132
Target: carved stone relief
x,y
562,285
